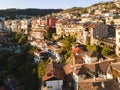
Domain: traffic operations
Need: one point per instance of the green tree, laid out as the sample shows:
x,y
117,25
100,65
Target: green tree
x,y
105,51
112,22
91,48
67,44
42,68
68,41
84,10
22,39
50,33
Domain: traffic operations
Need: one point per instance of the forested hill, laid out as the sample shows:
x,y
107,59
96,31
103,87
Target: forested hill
x,y
20,13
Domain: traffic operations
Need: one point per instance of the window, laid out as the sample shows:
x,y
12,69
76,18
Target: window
x,y
49,87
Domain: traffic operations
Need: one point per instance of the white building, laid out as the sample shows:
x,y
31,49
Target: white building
x,y
90,57
54,85
7,25
25,24
14,25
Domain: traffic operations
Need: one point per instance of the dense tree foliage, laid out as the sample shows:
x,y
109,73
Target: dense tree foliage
x,y
49,33
112,22
91,48
21,65
17,13
22,39
67,45
42,68
106,51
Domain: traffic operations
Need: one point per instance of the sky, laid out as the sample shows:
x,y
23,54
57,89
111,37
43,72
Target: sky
x,y
47,4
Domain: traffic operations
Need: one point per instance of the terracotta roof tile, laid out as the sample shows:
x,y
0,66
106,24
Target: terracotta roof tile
x,y
53,70
77,50
78,59
68,68
97,85
81,69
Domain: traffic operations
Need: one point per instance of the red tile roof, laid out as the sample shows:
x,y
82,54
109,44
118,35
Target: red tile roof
x,y
95,67
68,68
78,59
53,70
77,50
97,85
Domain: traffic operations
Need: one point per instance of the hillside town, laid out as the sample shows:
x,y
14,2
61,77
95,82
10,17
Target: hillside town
x,y
75,49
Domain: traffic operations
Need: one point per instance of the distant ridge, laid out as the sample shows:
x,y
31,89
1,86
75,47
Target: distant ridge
x,y
17,13
106,5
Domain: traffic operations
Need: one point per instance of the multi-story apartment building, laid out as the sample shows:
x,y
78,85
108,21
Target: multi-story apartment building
x,y
36,34
25,25
52,21
59,25
68,27
100,31
7,25
14,25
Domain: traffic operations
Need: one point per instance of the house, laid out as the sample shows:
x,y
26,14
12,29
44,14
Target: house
x,y
98,12
53,51
113,19
115,68
43,21
53,78
40,55
34,23
81,37
84,74
98,84
78,53
86,19
90,57
52,21
42,44
57,77
36,34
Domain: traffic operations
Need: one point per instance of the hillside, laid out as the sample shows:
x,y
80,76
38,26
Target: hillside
x,y
101,5
20,13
